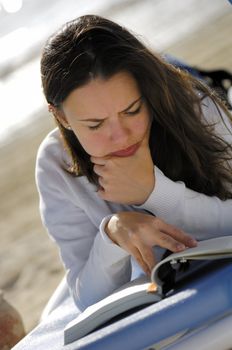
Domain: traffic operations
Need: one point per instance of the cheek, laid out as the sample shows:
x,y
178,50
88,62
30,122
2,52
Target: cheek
x,y
142,125
92,144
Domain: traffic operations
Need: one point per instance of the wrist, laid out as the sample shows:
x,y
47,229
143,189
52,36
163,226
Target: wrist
x,y
108,229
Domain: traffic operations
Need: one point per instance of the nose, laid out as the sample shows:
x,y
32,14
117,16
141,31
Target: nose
x,y
119,132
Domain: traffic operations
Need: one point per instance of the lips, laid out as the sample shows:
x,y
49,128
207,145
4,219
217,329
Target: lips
x,y
127,152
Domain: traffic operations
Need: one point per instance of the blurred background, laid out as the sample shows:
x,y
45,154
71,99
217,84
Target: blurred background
x,y
196,32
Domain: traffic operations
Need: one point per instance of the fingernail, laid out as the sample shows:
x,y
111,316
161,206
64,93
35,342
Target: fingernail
x,y
180,246
193,242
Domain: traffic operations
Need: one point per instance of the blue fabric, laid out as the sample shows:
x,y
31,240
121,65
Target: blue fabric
x,y
198,304
49,334
182,65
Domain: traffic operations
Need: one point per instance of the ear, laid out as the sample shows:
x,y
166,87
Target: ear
x,y
59,116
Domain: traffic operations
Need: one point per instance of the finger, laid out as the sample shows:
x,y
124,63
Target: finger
x,y
98,169
99,160
107,196
147,255
102,182
165,241
102,194
139,258
176,233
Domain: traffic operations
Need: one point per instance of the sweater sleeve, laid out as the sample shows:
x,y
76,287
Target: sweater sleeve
x,y
95,265
198,214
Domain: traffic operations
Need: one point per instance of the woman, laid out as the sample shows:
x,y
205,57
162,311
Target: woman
x,y
141,156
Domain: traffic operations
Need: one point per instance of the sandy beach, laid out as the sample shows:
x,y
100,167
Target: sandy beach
x,y
30,265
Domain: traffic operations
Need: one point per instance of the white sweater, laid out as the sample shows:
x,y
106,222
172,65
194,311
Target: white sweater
x,y
74,216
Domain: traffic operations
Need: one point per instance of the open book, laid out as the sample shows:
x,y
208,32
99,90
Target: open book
x,y
144,291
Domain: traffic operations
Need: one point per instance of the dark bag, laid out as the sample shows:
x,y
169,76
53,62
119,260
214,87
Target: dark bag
x,y
219,80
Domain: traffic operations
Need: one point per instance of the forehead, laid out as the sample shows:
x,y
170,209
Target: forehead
x,y
101,97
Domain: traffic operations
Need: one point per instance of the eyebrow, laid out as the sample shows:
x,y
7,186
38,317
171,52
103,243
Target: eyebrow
x,y
102,119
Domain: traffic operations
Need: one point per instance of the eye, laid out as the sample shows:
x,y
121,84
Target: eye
x,y
135,111
95,127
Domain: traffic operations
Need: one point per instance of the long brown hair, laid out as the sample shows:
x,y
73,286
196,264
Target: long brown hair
x,y
181,145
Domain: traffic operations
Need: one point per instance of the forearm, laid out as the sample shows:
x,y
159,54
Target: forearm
x,y
107,268
197,214
95,265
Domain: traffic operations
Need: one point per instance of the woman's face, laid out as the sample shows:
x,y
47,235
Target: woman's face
x,y
109,117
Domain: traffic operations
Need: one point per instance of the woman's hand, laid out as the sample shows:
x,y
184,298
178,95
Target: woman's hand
x,y
138,232
126,180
